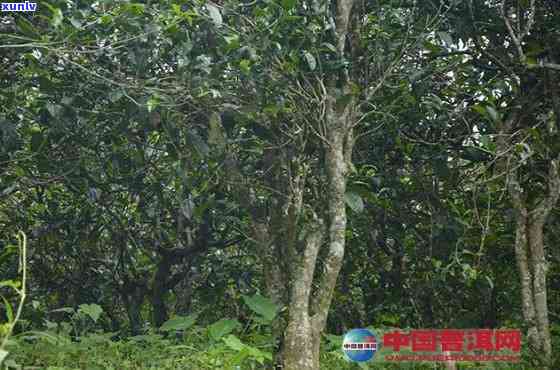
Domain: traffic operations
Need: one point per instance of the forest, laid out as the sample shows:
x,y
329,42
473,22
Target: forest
x,y
243,184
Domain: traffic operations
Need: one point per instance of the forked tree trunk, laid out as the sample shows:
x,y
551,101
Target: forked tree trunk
x,y
531,259
308,313
290,240
529,244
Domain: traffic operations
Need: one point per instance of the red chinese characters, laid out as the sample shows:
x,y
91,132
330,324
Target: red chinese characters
x,y
453,340
396,340
508,339
424,340
482,340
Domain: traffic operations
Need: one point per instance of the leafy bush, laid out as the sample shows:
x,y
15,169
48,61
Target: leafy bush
x,y
18,287
179,343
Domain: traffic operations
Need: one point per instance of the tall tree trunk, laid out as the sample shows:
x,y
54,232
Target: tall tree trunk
x,y
538,262
134,317
529,241
183,294
531,259
133,294
274,280
521,250
302,336
290,240
159,289
308,314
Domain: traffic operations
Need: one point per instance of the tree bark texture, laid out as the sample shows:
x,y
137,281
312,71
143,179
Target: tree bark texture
x,y
529,241
308,313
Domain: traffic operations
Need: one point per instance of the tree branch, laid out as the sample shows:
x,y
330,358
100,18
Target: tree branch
x,y
544,65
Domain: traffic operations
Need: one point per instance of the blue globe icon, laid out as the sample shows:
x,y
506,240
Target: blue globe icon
x,y
359,345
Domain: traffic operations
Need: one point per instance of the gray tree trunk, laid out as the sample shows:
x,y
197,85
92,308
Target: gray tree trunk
x,y
307,313
529,244
289,241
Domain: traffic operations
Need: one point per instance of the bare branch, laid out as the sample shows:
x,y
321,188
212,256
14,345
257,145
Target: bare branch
x,y
530,20
545,66
544,207
518,39
343,8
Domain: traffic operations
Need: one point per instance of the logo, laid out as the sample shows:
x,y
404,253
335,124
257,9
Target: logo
x,y
359,345
19,7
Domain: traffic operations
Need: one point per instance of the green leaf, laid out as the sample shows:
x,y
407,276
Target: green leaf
x,y
64,309
233,42
223,327
135,8
146,338
3,355
26,27
9,249
56,18
234,343
9,310
490,282
115,95
187,208
49,337
11,283
106,19
310,60
354,201
272,109
480,110
494,115
179,323
329,46
334,341
215,14
432,48
531,61
245,66
262,306
37,140
445,37
257,354
54,109
76,23
91,310
288,4
363,365
152,103
198,143
176,9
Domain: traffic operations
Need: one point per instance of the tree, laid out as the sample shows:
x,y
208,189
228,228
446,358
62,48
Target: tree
x,y
511,44
304,107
